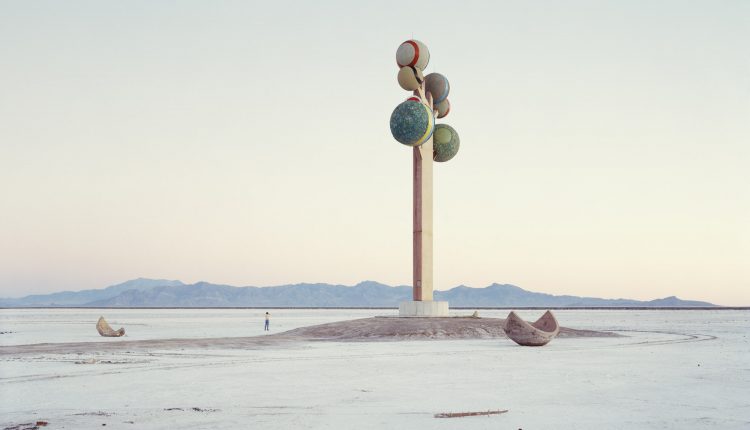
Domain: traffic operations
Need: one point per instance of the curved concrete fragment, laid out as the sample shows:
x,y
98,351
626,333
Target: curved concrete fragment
x,y
105,330
538,333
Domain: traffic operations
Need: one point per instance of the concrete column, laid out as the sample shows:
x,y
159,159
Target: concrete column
x,y
422,246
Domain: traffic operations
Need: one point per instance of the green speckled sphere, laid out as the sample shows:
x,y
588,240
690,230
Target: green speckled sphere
x,y
445,143
412,123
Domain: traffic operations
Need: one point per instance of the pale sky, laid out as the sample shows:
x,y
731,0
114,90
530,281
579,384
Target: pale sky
x,y
605,146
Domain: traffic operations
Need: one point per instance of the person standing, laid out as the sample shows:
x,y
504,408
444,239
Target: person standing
x,y
268,320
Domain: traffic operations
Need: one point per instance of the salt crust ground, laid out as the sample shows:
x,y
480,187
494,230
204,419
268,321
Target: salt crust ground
x,y
673,370
365,329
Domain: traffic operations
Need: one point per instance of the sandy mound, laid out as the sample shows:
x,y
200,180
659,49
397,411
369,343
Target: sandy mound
x,y
392,328
366,329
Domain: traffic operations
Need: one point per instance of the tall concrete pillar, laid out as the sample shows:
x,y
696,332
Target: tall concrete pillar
x,y
422,246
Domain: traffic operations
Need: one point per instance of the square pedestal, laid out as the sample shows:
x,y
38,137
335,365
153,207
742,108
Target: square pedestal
x,y
423,309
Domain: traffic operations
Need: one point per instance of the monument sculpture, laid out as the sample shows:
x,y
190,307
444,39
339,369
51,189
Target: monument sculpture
x,y
413,124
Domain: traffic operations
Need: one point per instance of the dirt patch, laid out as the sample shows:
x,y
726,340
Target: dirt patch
x,y
469,414
194,409
27,426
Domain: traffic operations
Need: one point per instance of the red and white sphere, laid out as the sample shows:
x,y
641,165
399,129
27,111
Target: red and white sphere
x,y
413,53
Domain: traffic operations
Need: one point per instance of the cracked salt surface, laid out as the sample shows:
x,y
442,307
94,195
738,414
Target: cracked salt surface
x,y
675,370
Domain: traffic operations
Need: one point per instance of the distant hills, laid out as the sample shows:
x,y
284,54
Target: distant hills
x,y
165,293
84,297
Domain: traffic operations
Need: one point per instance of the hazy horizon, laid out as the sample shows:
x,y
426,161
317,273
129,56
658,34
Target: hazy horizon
x,y
604,145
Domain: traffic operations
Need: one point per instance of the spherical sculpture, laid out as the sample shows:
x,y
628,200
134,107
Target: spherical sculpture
x,y
413,53
445,143
407,78
443,108
412,123
437,84
414,99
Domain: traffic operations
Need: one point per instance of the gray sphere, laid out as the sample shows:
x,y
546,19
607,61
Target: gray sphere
x,y
438,85
443,108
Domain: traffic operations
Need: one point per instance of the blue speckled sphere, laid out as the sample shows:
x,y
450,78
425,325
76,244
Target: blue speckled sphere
x,y
412,123
445,143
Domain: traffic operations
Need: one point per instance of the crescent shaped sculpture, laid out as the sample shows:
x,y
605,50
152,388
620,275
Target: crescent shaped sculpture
x,y
105,330
538,333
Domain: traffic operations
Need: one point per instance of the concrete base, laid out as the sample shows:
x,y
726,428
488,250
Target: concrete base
x,y
423,309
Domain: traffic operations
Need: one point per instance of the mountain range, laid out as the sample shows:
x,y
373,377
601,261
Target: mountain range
x,y
171,293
